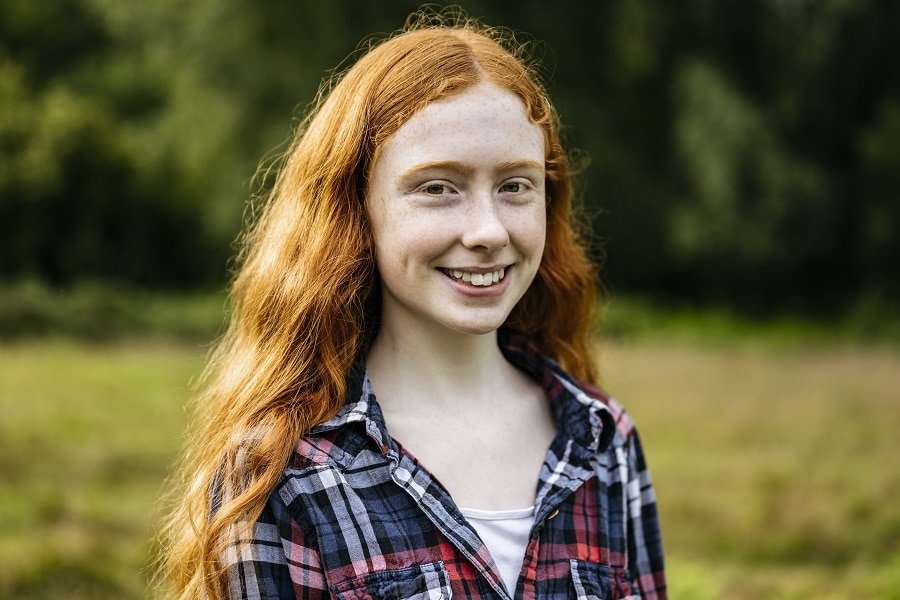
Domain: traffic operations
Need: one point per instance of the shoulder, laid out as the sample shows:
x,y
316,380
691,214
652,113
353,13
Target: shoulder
x,y
582,409
624,423
333,461
316,450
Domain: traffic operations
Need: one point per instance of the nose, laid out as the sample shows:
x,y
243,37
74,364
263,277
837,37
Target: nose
x,y
484,227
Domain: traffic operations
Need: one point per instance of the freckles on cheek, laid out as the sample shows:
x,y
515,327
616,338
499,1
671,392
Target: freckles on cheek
x,y
529,232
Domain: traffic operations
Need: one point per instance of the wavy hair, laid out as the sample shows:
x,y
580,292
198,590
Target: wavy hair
x,y
305,298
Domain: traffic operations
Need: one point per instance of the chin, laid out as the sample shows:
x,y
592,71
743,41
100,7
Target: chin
x,y
473,327
476,330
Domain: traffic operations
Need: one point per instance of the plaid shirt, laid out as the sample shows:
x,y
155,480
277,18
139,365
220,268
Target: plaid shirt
x,y
354,516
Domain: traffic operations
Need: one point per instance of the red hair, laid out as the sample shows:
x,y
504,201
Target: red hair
x,y
305,296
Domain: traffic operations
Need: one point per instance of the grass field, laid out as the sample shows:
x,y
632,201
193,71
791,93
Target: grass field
x,y
777,466
87,435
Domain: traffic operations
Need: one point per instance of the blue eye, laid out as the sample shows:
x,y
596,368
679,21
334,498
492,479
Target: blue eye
x,y
434,188
512,186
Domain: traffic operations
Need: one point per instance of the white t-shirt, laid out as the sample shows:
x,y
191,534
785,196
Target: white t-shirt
x,y
505,533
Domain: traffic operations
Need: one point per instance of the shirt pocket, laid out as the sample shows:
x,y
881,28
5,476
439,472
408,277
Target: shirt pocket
x,y
589,580
420,582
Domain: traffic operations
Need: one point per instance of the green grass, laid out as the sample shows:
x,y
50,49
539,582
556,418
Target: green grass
x,y
775,465
88,433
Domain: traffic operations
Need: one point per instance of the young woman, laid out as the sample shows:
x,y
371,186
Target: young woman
x,y
401,406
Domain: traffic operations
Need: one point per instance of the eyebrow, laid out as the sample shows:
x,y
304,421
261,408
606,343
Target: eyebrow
x,y
467,169
443,165
518,165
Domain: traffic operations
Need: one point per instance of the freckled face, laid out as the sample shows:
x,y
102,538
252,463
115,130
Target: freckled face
x,y
457,207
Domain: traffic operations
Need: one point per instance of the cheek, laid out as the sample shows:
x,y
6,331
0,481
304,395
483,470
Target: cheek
x,y
540,234
530,232
407,240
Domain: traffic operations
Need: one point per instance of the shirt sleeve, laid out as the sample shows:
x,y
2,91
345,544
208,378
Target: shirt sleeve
x,y
274,561
646,568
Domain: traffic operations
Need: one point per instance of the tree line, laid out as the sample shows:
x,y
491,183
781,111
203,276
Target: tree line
x,y
742,153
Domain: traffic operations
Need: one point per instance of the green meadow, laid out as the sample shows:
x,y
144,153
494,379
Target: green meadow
x,y
777,465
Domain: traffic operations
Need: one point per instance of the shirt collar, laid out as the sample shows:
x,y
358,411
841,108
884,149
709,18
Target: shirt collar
x,y
360,406
580,411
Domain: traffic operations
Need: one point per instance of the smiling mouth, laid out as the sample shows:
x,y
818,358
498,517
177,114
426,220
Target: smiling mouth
x,y
477,279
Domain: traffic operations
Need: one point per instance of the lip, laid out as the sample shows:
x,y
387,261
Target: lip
x,y
481,270
474,291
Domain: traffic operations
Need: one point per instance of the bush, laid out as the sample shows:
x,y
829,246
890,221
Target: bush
x,y
97,311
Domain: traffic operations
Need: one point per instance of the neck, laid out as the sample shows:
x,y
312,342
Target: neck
x,y
406,365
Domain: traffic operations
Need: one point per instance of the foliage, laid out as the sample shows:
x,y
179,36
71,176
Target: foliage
x,y
870,322
101,312
743,154
78,198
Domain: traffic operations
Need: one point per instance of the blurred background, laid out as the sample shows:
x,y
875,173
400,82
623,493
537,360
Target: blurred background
x,y
741,181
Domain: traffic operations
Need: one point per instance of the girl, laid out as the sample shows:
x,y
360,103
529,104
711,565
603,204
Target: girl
x,y
401,406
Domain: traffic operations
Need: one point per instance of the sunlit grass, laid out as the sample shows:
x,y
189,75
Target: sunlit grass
x,y
775,468
87,435
774,464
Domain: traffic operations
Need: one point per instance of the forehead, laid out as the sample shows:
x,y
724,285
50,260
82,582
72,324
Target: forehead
x,y
483,122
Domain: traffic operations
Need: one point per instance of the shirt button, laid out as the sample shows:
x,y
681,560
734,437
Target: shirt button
x,y
553,514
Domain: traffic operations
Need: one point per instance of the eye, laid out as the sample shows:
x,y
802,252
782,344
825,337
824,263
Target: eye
x,y
513,187
435,189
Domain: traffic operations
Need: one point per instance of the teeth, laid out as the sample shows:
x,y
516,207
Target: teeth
x,y
479,279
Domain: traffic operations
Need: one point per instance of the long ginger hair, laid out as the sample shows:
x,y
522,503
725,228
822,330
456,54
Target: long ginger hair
x,y
305,298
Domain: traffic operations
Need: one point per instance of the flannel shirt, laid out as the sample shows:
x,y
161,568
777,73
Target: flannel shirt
x,y
355,516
